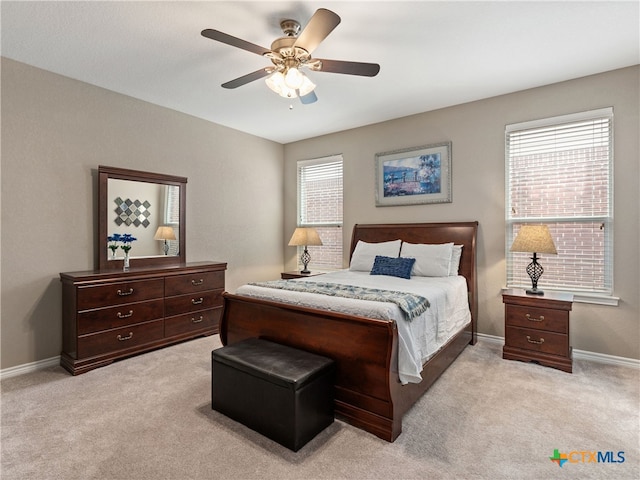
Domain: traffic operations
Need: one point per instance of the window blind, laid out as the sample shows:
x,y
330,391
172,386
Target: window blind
x,y
559,173
172,215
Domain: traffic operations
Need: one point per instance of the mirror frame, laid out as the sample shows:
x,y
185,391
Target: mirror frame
x,y
104,174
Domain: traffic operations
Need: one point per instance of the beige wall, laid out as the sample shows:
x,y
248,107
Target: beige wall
x,y
55,133
477,133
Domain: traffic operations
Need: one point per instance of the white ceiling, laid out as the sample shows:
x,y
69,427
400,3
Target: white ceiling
x,y
432,54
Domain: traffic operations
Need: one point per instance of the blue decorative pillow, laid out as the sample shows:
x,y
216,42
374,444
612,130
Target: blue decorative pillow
x,y
393,266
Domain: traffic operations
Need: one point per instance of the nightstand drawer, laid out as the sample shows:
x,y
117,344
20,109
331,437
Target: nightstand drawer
x,y
537,341
539,318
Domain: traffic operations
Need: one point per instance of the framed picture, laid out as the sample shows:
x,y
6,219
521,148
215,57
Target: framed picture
x,y
414,175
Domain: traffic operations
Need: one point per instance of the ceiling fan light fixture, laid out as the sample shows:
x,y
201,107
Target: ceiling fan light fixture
x,y
294,78
307,86
276,82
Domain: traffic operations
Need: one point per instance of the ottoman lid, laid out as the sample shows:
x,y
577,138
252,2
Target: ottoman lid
x,y
278,364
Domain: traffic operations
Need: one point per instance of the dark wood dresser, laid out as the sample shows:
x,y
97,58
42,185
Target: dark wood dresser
x,y
537,328
108,315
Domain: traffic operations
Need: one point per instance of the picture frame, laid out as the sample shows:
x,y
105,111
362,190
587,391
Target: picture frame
x,y
413,176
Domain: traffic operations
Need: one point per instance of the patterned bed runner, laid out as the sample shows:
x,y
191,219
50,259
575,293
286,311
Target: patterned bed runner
x,y
412,305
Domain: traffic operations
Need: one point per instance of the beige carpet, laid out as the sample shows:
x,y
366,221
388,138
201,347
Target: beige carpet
x,y
150,417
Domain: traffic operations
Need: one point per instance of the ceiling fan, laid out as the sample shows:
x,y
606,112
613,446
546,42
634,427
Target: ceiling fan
x,y
291,53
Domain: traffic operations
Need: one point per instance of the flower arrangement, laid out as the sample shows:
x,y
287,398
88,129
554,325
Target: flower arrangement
x,y
125,240
113,242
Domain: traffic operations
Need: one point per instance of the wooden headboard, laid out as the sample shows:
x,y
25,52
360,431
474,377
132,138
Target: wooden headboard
x,y
460,233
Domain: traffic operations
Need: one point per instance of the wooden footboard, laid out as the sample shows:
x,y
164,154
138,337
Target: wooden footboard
x,y
369,394
363,349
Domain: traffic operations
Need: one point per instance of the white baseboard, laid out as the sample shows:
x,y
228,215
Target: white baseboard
x,y
29,367
579,354
608,359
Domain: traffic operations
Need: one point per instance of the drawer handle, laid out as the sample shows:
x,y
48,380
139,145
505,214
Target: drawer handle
x,y
126,315
195,283
124,294
197,302
128,337
537,342
193,320
529,317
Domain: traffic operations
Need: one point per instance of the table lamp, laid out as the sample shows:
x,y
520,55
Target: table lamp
x,y
535,239
165,233
304,236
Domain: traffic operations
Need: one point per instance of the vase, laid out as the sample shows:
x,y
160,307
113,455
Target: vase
x,y
126,262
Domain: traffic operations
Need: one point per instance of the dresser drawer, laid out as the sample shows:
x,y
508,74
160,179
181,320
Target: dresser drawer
x,y
96,296
120,338
537,341
113,317
191,322
193,282
537,318
193,302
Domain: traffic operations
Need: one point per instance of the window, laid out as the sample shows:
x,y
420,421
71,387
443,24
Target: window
x,y
171,215
559,173
320,206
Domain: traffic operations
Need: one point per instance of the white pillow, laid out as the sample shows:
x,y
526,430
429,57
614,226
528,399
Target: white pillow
x,y
431,260
454,266
365,253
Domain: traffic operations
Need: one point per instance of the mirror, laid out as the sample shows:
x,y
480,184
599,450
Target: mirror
x,y
148,206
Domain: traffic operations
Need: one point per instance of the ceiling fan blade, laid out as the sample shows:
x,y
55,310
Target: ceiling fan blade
x,y
319,27
350,68
249,77
234,42
309,98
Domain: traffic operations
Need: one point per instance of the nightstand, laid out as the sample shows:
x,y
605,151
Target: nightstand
x,y
297,274
536,328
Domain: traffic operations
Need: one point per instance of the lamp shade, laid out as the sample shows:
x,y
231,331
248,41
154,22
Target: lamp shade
x,y
534,238
304,236
293,84
293,78
165,233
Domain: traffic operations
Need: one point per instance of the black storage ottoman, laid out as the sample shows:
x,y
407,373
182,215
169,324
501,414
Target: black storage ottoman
x,y
283,393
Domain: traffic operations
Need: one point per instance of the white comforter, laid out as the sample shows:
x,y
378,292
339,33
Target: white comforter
x,y
419,339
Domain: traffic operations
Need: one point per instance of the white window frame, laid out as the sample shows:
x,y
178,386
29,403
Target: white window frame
x,y
303,222
605,294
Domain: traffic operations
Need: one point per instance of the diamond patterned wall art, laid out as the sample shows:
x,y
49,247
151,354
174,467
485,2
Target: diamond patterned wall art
x,y
132,212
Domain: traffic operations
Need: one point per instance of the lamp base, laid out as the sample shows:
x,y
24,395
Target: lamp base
x,y
534,291
535,271
305,258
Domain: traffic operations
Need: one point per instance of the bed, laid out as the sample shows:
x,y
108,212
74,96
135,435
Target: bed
x,y
369,392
